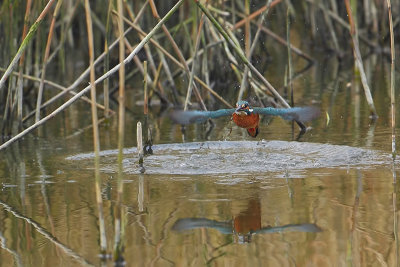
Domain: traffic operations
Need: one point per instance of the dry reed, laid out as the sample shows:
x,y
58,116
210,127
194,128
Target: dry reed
x,y
96,138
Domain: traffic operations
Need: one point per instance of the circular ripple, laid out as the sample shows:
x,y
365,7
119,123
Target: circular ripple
x,y
234,157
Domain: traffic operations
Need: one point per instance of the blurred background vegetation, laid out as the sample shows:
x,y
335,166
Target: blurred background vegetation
x,y
58,52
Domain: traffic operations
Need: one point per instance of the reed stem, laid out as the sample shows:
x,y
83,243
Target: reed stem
x,y
243,58
139,139
359,63
96,138
179,64
46,56
118,243
178,52
100,79
106,65
196,49
25,43
392,80
253,46
21,65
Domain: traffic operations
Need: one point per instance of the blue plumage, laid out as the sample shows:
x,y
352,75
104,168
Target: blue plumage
x,y
297,113
196,116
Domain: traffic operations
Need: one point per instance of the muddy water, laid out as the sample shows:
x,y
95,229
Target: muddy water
x,y
328,199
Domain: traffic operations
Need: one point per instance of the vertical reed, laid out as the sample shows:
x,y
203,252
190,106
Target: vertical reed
x,y
21,65
392,80
139,139
118,222
148,143
46,56
358,60
121,94
145,87
106,65
290,71
247,29
96,141
289,68
395,214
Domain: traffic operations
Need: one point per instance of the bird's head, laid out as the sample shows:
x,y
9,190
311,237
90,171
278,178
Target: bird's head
x,y
243,108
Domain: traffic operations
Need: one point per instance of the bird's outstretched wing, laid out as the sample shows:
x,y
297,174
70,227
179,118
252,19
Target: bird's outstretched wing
x,y
193,223
297,113
305,227
197,116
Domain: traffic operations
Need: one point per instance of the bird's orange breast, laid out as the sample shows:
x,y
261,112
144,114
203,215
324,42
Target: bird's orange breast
x,y
246,121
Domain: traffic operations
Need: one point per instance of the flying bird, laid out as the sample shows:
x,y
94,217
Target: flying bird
x,y
246,116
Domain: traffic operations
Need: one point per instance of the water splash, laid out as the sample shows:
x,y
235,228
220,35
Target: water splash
x,y
237,157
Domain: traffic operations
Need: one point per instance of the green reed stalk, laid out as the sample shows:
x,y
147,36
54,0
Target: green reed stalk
x,y
25,43
100,79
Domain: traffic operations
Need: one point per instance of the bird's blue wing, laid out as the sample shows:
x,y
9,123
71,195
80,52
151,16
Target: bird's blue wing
x,y
193,223
297,113
305,227
197,116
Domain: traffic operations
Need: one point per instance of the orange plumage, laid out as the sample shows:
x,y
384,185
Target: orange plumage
x,y
245,118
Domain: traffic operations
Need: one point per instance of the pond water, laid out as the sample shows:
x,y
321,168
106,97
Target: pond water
x,y
219,199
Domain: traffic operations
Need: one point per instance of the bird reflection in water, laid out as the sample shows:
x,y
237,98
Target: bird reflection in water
x,y
244,225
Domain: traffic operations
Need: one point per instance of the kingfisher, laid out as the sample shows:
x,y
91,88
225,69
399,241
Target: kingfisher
x,y
246,116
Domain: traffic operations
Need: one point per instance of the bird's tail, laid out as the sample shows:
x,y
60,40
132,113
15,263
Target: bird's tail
x,y
253,132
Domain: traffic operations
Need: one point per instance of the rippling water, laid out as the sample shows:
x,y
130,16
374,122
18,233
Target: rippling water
x,y
240,157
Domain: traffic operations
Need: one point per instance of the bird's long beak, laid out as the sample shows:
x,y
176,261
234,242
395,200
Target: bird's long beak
x,y
238,109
